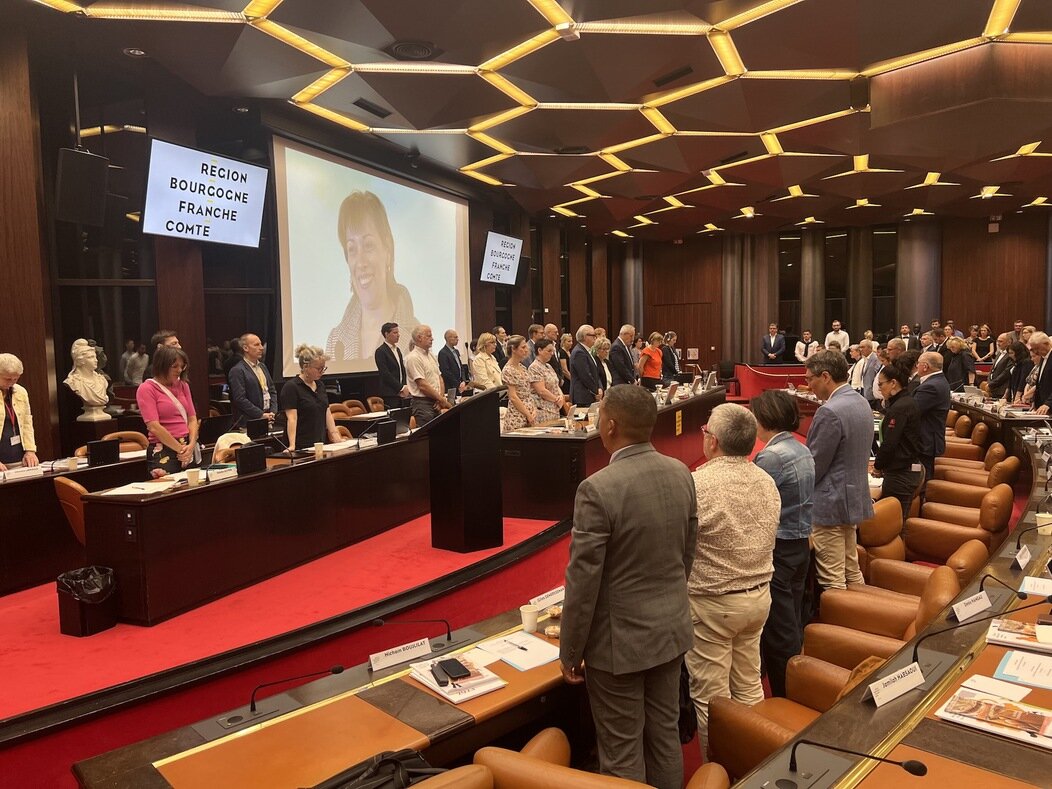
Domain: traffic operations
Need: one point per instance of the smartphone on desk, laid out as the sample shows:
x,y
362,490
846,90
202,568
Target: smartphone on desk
x,y
454,669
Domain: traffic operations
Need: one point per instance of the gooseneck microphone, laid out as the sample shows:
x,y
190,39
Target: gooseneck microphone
x,y
252,699
1017,592
1019,537
912,766
449,630
1003,614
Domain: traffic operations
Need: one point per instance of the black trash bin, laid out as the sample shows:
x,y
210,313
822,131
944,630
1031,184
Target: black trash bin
x,y
86,601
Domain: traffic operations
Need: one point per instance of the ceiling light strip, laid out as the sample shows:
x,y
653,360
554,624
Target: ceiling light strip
x,y
771,143
1001,16
399,130
661,99
919,57
660,122
519,51
624,146
562,209
500,157
759,12
394,67
335,117
499,118
320,85
486,179
551,11
813,74
286,36
61,5
629,28
163,13
596,178
615,162
813,121
259,9
508,88
588,105
726,52
1030,37
585,190
578,201
620,233
492,142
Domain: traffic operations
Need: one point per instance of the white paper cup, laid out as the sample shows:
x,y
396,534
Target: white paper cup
x,y
529,617
193,477
319,450
71,464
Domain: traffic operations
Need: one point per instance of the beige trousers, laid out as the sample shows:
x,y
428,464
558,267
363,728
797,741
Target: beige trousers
x,y
836,556
725,658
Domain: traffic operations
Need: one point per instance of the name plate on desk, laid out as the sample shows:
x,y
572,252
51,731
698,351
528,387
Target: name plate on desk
x,y
26,472
554,597
895,685
971,606
400,654
219,474
1022,557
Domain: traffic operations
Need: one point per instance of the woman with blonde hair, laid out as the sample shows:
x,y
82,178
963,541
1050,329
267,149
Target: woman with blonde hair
x,y
485,371
305,403
650,361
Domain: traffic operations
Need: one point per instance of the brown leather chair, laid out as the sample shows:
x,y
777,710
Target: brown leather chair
x,y
955,514
905,580
544,761
961,430
855,625
970,457
1005,472
973,445
355,407
880,537
344,432
69,498
131,441
951,419
470,776
340,411
740,736
376,404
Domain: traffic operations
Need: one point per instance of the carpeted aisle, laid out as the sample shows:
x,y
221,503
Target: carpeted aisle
x,y
35,659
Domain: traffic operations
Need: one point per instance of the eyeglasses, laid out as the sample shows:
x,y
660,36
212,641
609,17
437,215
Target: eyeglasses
x,y
592,334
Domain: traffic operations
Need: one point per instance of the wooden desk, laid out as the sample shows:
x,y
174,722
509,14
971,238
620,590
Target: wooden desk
x,y
1001,427
563,460
175,551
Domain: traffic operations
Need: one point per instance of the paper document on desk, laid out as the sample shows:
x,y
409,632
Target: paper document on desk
x,y
342,446
1012,633
478,683
1034,585
1026,668
141,488
133,455
994,715
522,650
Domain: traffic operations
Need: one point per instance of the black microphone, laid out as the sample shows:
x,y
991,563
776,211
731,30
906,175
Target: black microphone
x,y
252,699
449,630
1017,592
1019,537
912,766
370,427
1003,614
283,445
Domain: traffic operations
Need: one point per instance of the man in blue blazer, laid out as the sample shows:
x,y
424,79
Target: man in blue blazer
x,y
252,391
584,374
773,345
620,361
449,363
840,438
932,397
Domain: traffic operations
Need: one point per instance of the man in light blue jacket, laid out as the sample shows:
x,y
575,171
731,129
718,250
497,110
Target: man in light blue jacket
x,y
840,439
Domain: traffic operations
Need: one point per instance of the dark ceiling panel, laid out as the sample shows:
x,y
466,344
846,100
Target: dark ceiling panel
x,y
553,131
451,150
548,172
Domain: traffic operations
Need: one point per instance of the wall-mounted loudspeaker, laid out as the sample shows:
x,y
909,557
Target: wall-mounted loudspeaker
x,y
81,187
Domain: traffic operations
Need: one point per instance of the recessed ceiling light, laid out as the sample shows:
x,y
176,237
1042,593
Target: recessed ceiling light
x,y
240,108
134,52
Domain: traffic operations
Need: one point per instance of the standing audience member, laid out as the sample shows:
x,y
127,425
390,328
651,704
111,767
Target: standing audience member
x,y
233,359
521,411
838,336
932,396
913,343
501,351
1022,366
626,619
394,384
669,360
305,403
485,371
584,373
129,352
898,458
637,348
449,364
790,465
621,364
551,333
548,398
773,345
164,337
806,348
1016,335
840,438
956,363
1040,344
252,391
602,362
869,363
534,333
983,348
565,346
650,361
424,378
730,597
1001,370
137,366
18,444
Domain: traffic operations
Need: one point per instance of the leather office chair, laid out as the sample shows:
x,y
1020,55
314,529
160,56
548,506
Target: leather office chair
x,y
951,419
470,776
1004,472
131,441
376,404
901,580
962,429
855,625
980,437
726,377
954,514
340,411
880,537
345,434
69,498
544,761
971,457
355,407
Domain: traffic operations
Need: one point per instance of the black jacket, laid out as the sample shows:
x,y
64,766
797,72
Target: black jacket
x,y
620,363
900,442
450,367
932,399
1000,375
669,362
1017,382
391,367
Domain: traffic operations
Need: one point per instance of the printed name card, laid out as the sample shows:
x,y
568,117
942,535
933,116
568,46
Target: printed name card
x,y
25,472
970,606
554,597
895,685
400,654
1022,558
219,474
1033,585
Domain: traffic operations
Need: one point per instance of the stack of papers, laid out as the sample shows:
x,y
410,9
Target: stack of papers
x,y
342,446
996,715
1023,635
142,488
1026,668
133,455
521,650
480,682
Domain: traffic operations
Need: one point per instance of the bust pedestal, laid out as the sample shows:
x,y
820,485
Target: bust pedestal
x,y
93,413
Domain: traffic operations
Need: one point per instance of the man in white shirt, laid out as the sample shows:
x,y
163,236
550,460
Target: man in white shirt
x,y
838,336
805,348
854,375
424,378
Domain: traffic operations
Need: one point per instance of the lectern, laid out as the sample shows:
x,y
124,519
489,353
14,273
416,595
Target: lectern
x,y
467,509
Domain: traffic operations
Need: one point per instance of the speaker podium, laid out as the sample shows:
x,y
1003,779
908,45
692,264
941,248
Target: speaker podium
x,y
467,508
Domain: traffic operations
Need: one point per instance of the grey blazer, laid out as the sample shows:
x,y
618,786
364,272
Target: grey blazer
x,y
634,529
840,439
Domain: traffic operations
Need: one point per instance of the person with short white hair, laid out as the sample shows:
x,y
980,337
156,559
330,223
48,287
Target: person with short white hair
x,y
584,371
424,378
18,446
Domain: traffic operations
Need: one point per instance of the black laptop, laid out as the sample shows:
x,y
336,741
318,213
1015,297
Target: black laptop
x,y
104,453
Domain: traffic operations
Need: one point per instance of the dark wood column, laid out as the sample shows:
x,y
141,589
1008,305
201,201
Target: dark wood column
x,y
600,284
522,298
483,297
578,280
551,270
26,327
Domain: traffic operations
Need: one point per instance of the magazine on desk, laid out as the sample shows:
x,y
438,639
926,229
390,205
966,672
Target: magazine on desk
x,y
1012,633
995,715
478,683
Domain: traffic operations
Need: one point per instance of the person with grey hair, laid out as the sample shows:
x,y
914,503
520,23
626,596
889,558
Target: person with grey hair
x,y
253,394
424,378
584,372
729,584
305,403
932,397
621,365
840,439
1040,346
626,615
18,444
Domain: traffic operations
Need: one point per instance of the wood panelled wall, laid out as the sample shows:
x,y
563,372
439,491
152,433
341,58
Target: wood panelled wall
x,y
682,293
994,278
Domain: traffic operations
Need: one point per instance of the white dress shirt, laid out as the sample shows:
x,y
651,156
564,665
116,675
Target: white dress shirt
x,y
840,337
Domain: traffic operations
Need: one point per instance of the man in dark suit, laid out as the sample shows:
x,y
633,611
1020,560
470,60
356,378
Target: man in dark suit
x,y
252,391
773,345
1041,345
501,353
449,363
911,340
1001,370
551,332
534,333
620,361
391,366
932,397
626,614
584,373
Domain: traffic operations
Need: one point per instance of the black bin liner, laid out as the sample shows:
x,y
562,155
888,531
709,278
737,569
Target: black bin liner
x,y
86,600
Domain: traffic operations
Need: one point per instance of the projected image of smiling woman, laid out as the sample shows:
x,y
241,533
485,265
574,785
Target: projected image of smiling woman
x,y
376,298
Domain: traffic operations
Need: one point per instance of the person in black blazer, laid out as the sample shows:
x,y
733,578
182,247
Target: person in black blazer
x,y
669,360
449,363
932,397
621,365
911,340
248,398
584,373
1001,371
900,438
1021,367
773,346
391,366
501,353
1041,345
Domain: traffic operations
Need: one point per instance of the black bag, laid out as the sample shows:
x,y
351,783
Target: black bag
x,y
688,716
387,770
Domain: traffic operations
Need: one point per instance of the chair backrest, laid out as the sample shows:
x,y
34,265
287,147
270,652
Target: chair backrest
x,y
376,403
339,410
1004,472
963,426
967,560
951,418
725,370
344,432
884,526
981,434
941,587
995,453
352,404
996,508
69,498
131,440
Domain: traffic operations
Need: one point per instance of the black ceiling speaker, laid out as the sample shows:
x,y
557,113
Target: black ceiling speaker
x,y
80,185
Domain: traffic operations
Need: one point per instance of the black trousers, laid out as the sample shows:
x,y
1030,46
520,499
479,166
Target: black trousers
x,y
783,634
900,485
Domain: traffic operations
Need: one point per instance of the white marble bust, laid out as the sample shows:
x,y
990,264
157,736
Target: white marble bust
x,y
86,382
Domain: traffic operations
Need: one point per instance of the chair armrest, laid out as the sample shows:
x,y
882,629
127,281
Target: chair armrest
x,y
965,477
470,776
899,576
549,745
944,491
740,738
963,451
861,612
935,541
511,768
845,647
952,513
709,776
814,683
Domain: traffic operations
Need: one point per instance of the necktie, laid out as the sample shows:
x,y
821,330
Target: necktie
x,y
401,365
258,370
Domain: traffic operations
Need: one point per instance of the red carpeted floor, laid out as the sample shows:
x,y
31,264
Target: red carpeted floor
x,y
35,658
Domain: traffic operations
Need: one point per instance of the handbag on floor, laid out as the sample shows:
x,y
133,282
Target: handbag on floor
x,y
387,770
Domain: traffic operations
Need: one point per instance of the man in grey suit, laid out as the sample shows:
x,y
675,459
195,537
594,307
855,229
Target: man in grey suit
x,y
626,615
840,439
